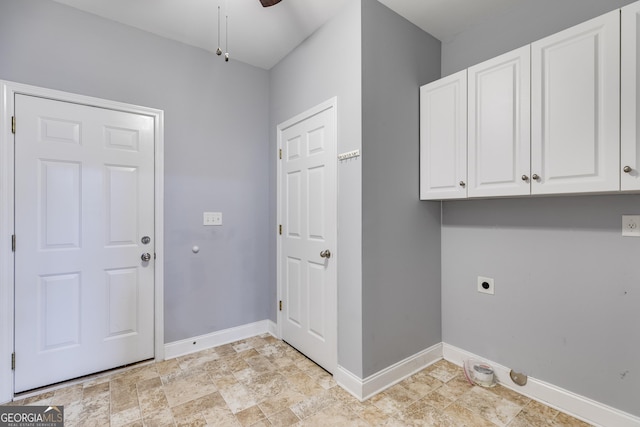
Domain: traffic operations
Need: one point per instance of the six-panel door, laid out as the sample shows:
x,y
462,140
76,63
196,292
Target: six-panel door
x,y
308,246
84,199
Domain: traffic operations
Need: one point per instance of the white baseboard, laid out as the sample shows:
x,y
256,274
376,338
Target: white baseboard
x,y
573,404
214,339
374,384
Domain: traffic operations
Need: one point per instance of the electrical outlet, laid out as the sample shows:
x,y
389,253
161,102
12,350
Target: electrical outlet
x,y
212,218
631,225
486,285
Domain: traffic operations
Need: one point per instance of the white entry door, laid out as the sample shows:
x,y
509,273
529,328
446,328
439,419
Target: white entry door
x,y
307,270
84,202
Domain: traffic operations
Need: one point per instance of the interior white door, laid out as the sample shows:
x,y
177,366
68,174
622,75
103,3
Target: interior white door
x,y
308,242
84,190
499,125
575,109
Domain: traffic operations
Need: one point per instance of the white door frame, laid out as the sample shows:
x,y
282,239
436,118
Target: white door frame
x,y
8,90
329,104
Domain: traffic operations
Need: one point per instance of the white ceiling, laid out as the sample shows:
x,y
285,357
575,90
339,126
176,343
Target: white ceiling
x,y
263,36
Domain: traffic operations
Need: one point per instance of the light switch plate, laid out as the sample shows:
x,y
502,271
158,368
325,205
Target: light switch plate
x,y
212,218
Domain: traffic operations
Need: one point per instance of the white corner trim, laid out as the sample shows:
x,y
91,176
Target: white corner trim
x,y
349,381
374,384
573,404
214,339
6,254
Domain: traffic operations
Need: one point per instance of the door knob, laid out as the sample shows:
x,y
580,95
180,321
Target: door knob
x,y
627,169
325,254
145,257
525,178
462,184
535,176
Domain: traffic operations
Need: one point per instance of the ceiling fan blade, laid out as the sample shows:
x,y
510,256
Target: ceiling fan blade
x,y
267,3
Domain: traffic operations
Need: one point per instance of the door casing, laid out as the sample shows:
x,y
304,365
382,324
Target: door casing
x,y
331,103
8,90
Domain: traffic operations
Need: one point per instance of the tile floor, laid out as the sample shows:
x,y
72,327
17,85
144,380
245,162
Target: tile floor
x,y
262,381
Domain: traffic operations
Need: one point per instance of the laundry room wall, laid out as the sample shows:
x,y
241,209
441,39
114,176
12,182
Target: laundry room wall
x,y
216,148
567,284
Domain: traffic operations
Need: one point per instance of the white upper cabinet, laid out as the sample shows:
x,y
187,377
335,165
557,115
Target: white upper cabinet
x,y
499,125
443,138
575,109
630,93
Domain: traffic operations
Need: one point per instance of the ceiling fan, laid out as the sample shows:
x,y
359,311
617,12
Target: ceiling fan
x,y
267,3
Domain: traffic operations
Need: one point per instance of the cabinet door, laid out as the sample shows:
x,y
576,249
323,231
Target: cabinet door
x,y
499,125
575,109
443,138
630,93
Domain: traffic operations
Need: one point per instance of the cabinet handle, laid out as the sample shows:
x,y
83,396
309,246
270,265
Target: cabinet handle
x,y
462,184
627,169
525,178
535,176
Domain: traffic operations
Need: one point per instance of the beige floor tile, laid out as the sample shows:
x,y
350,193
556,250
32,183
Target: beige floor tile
x,y
262,381
464,417
498,410
443,370
284,418
438,400
312,405
565,420
421,384
394,399
160,418
67,395
151,401
125,417
250,416
238,397
510,395
304,383
266,385
188,388
72,413
226,350
427,416
124,395
280,402
369,413
195,360
220,416
335,415
167,367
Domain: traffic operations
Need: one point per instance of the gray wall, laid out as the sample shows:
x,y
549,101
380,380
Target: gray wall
x,y
567,302
523,22
400,234
325,65
216,148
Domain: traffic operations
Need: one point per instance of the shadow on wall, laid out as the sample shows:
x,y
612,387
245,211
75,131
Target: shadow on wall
x,y
595,213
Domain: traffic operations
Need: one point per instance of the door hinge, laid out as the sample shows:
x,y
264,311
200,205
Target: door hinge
x,y
13,243
280,229
13,124
13,361
280,151
280,305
